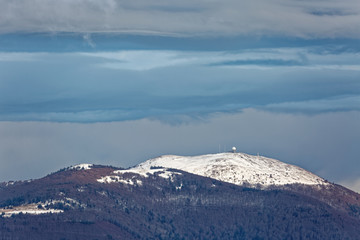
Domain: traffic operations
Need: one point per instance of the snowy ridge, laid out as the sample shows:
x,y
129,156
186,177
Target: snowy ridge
x,y
236,168
163,172
118,175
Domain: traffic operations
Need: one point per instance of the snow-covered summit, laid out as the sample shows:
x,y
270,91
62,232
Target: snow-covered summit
x,y
236,168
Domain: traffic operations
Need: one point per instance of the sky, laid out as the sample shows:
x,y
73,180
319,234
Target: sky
x,y
118,82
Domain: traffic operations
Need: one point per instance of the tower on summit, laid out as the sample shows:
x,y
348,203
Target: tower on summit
x,y
233,149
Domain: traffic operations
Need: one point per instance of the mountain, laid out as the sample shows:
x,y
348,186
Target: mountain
x,y
215,196
237,168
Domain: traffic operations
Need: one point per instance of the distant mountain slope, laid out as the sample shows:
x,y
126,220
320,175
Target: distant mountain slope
x,y
157,202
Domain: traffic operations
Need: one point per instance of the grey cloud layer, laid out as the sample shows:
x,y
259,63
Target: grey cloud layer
x,y
308,19
174,86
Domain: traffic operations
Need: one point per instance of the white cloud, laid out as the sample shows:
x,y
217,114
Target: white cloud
x,y
308,19
141,60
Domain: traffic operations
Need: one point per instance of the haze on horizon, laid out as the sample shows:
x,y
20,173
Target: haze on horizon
x,y
118,82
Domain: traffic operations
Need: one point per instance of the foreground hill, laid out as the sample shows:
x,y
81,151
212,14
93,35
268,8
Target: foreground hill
x,y
219,196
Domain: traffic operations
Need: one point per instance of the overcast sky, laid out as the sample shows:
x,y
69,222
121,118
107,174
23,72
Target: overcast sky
x,y
118,82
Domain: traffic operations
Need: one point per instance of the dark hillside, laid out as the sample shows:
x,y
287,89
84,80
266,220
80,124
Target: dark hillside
x,y
184,207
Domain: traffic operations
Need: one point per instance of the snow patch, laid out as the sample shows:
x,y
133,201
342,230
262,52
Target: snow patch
x,y
81,189
67,202
119,177
42,207
83,166
179,187
163,172
9,183
27,209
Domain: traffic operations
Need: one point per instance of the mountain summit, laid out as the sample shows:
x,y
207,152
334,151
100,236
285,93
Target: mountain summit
x,y
236,168
214,196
